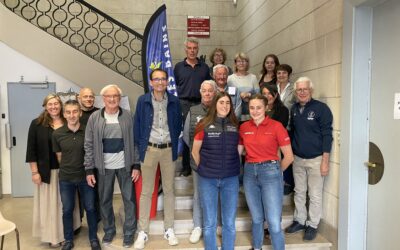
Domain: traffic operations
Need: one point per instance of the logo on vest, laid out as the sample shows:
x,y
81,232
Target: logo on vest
x,y
213,134
231,128
198,118
311,115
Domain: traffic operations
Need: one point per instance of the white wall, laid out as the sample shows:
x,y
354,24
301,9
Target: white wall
x,y
13,65
307,35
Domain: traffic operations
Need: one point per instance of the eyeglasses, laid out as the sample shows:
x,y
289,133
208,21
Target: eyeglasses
x,y
111,96
158,80
305,90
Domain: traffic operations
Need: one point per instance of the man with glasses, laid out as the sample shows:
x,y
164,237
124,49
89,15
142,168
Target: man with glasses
x,y
311,136
109,147
189,74
86,100
157,126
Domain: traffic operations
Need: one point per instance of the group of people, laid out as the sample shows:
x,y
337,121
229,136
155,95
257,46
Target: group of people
x,y
271,128
234,125
55,153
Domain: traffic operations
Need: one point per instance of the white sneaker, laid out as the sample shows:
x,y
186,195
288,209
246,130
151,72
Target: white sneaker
x,y
195,235
170,236
141,240
219,231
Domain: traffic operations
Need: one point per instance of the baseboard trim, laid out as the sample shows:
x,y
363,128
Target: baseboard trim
x,y
330,233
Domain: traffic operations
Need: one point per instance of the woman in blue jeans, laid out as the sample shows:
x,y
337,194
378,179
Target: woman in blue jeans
x,y
262,138
215,152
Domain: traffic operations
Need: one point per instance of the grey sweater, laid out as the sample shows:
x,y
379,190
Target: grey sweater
x,y
94,145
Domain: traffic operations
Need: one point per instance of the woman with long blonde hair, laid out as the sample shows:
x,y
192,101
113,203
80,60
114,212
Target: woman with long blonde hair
x,y
47,207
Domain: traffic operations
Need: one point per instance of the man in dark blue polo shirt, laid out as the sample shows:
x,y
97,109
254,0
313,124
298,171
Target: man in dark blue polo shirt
x,y
311,136
189,74
68,146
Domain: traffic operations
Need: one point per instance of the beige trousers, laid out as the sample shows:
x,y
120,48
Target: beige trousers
x,y
307,177
155,156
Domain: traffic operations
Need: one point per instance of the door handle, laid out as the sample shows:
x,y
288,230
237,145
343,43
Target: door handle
x,y
370,164
8,135
375,164
14,141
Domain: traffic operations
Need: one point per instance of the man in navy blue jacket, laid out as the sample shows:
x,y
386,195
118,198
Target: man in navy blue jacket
x,y
157,126
311,136
189,74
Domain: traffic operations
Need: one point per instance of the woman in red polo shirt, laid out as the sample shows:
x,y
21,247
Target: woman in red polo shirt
x,y
262,138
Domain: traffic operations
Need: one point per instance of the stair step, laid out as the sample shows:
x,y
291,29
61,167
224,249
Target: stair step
x,y
183,182
243,242
184,199
183,223
184,195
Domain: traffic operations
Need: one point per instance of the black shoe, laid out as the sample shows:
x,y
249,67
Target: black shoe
x,y
294,228
68,245
128,241
95,245
108,238
310,234
266,233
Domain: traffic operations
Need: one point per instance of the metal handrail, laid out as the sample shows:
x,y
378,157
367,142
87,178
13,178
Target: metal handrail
x,y
87,29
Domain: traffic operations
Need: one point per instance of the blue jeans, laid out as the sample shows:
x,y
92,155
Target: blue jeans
x,y
68,191
227,189
263,186
106,192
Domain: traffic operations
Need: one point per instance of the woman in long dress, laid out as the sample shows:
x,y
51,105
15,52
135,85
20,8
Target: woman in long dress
x,y
47,207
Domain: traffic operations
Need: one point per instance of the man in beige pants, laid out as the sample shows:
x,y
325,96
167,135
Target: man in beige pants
x,y
157,126
311,135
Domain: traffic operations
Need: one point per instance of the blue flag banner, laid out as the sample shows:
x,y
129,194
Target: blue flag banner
x,y
157,51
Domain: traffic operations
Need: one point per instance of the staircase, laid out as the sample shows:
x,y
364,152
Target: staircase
x,y
184,224
88,30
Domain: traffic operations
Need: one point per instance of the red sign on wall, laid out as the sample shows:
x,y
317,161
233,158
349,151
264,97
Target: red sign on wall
x,y
198,26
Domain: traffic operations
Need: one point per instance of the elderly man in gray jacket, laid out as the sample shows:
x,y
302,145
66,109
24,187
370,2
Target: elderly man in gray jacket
x,y
208,90
110,149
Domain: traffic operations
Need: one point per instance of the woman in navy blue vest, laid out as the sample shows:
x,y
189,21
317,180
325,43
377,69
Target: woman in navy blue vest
x,y
215,152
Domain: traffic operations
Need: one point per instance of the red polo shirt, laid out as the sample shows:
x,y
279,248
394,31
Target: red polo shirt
x,y
199,136
263,141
